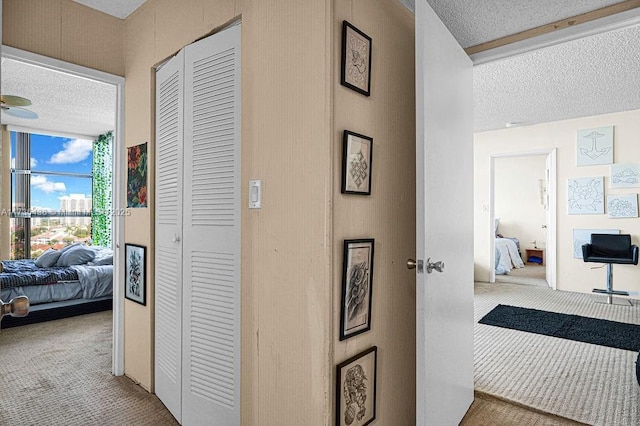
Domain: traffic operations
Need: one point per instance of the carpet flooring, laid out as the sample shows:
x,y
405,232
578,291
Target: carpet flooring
x,y
66,380
592,384
529,275
58,373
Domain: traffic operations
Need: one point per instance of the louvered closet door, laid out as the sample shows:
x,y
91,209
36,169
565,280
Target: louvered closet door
x,y
211,305
168,246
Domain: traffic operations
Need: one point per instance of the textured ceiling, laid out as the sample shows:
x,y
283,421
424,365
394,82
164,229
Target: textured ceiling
x,y
590,76
118,8
63,102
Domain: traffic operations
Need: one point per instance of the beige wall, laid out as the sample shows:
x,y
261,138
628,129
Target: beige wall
x,y
388,215
517,199
64,30
572,274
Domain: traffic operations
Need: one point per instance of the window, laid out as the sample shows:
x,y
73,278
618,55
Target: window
x,y
52,184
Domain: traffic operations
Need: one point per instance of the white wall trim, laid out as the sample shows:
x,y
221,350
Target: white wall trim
x,y
118,185
598,26
551,244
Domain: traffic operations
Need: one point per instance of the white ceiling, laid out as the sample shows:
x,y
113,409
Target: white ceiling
x,y
590,76
65,104
118,8
585,77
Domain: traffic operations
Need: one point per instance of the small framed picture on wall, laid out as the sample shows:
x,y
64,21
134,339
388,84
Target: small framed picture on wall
x,y
356,389
357,280
135,280
356,59
357,156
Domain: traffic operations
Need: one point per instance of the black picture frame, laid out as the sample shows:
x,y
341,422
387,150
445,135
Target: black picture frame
x,y
357,163
356,383
135,273
357,287
355,70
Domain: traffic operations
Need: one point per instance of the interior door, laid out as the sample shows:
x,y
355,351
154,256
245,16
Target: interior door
x,y
444,215
211,252
550,243
168,246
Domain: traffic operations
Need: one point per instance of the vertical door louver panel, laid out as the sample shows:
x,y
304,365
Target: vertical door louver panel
x,y
212,326
211,339
212,189
168,250
167,138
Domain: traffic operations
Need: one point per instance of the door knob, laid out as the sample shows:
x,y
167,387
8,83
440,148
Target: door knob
x,y
17,307
411,264
438,266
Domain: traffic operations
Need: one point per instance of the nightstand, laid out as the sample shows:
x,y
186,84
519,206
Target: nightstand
x,y
537,252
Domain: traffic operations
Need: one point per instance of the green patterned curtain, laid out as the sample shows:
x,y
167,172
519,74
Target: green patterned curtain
x,y
102,197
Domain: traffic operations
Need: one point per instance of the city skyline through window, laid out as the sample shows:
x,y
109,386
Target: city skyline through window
x,y
51,192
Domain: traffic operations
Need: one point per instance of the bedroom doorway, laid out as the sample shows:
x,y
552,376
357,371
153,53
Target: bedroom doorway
x,y
56,98
523,217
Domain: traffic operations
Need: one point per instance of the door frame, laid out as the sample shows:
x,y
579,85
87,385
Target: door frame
x,y
550,243
8,52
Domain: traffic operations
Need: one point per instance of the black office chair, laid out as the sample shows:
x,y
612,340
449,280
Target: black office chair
x,y
610,249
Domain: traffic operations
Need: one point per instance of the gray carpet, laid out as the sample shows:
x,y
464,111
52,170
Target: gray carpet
x,y
58,373
588,383
529,275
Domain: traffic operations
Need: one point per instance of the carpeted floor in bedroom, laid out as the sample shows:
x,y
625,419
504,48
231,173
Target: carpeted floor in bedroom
x,y
59,373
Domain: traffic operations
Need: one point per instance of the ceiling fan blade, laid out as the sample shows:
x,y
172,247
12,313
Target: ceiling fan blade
x,y
19,112
10,100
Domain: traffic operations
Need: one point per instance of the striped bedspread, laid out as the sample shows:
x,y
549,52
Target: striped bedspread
x,y
18,273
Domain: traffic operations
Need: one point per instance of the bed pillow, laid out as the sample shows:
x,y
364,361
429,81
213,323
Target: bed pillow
x,y
48,258
69,247
104,256
76,255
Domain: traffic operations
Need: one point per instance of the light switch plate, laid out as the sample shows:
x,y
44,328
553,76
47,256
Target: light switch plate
x,y
255,194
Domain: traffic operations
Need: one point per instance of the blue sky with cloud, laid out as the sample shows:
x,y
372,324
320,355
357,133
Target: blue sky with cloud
x,y
56,154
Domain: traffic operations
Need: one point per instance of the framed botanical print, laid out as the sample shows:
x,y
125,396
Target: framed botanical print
x,y
356,59
135,280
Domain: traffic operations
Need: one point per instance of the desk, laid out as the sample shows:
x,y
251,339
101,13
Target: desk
x,y
537,252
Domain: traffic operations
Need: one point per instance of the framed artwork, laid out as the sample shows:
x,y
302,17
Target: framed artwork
x,y
583,236
357,280
356,389
594,146
137,176
625,176
585,195
135,280
622,205
357,154
356,59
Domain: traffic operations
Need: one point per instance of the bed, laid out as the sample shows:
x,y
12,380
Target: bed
x,y
71,281
507,255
